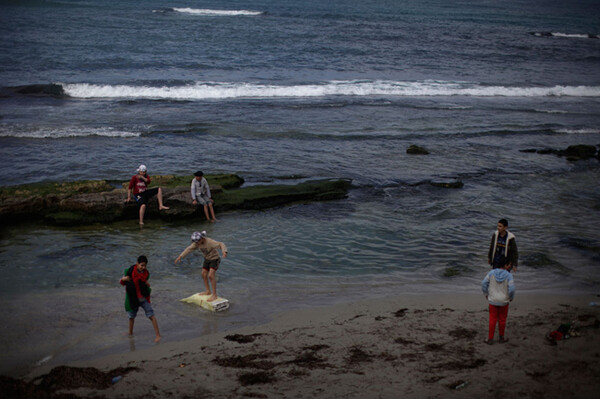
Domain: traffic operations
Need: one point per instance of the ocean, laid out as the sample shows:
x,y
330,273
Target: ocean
x,y
281,92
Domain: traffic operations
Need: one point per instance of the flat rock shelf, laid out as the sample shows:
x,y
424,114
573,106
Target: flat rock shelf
x,y
102,201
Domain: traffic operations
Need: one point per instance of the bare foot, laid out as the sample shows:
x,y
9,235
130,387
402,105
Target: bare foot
x,y
157,339
212,298
163,207
204,293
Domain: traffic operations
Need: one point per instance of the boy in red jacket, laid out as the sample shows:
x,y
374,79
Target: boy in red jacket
x,y
138,185
137,293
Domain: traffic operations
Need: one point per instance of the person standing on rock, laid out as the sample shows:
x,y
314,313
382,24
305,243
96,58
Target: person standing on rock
x,y
138,185
201,195
503,248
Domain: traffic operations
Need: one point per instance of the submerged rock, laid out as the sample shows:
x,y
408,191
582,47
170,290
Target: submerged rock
x,y
582,244
572,153
416,150
545,151
451,272
538,260
86,202
52,90
456,268
577,152
447,183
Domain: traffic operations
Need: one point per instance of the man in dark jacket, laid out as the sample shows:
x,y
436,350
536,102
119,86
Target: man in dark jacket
x,y
503,248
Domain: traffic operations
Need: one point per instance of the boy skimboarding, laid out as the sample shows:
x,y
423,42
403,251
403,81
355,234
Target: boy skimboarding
x,y
209,249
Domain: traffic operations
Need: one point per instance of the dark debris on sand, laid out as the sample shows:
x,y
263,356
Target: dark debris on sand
x,y
241,338
463,333
61,377
357,355
260,377
255,360
65,377
309,360
316,347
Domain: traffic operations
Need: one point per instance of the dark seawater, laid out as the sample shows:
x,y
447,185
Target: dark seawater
x,y
271,89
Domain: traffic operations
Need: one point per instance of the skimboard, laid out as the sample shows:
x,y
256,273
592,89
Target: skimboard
x,y
217,305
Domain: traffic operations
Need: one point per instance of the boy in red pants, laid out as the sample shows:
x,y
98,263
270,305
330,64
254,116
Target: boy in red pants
x,y
498,287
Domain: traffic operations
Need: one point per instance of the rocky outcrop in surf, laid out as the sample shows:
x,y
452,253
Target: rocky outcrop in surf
x,y
87,202
417,150
41,90
572,153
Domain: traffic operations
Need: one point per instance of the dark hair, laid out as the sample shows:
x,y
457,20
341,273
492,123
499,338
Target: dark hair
x,y
142,259
199,173
504,222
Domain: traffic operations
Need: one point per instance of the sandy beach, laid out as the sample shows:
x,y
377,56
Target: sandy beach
x,y
413,346
424,124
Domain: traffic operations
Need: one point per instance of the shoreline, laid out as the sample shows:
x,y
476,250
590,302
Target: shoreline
x,y
411,345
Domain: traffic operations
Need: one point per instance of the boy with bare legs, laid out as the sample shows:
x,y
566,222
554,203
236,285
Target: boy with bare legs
x,y
209,249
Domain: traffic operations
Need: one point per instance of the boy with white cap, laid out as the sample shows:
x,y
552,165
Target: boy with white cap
x,y
139,186
209,249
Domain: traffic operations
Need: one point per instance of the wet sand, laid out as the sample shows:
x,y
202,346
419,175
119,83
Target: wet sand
x,y
413,346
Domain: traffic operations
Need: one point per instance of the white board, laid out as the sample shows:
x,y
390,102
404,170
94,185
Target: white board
x,y
217,305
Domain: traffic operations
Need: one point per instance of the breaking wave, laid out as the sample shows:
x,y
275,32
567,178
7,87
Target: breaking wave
x,y
212,13
579,131
224,90
58,133
566,35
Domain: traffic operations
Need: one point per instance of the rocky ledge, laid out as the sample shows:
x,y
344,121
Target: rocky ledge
x,y
103,201
572,153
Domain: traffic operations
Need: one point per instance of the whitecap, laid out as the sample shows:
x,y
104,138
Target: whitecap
x,y
216,13
574,35
551,111
579,131
566,35
229,90
44,360
57,133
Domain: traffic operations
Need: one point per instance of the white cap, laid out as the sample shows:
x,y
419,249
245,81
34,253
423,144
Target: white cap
x,y
142,168
197,236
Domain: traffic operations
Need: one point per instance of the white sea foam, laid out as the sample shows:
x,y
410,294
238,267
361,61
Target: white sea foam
x,y
551,111
216,13
44,360
571,35
579,131
224,90
567,35
52,133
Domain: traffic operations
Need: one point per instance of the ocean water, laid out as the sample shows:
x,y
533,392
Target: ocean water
x,y
272,89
